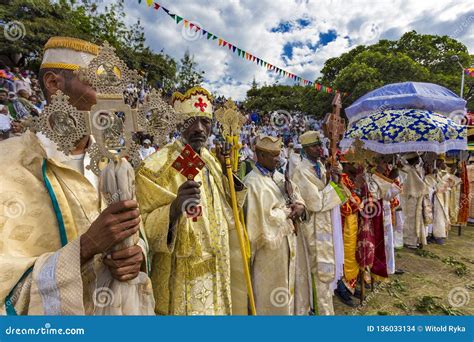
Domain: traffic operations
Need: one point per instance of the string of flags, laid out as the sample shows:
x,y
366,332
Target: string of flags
x,y
236,50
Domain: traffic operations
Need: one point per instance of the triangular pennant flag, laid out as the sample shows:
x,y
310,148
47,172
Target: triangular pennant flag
x,y
209,35
258,61
220,42
197,28
204,32
214,37
191,25
178,19
225,43
230,46
139,1
186,23
173,16
156,6
234,48
238,52
165,9
149,2
254,58
243,54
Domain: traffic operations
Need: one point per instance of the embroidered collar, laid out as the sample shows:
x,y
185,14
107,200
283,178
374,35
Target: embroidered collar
x,y
263,170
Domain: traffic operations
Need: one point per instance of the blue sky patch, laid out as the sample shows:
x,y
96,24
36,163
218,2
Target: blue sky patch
x,y
288,49
283,27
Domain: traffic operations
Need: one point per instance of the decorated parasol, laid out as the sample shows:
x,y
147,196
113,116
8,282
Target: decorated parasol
x,y
414,95
407,130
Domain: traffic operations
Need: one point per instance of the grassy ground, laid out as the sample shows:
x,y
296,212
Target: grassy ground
x,y
438,280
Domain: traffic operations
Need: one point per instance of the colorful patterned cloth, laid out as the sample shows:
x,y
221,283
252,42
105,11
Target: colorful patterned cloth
x,y
407,130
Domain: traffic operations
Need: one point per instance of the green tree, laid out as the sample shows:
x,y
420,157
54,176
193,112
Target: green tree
x,y
43,19
188,75
414,57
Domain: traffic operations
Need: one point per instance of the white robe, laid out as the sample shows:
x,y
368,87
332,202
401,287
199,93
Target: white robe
x,y
414,189
320,199
279,265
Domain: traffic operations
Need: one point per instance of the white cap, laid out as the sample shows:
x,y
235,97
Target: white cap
x,y
68,53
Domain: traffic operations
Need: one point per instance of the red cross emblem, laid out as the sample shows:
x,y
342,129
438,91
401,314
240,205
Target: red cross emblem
x,y
200,104
189,164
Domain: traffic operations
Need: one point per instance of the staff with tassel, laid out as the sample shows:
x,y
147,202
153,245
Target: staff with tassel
x,y
232,122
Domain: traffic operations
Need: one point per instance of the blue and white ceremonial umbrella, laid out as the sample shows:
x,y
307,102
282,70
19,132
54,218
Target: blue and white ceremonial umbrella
x,y
414,95
406,130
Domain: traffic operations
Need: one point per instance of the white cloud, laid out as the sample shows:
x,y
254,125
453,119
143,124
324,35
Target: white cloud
x,y
248,24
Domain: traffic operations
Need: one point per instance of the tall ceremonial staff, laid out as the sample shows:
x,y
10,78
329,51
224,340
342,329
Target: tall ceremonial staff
x,y
334,126
232,120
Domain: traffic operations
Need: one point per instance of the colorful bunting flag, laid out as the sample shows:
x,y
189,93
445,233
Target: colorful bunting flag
x,y
243,54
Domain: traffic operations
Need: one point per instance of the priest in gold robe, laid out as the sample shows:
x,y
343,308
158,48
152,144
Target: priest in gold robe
x,y
279,262
191,267
321,196
52,227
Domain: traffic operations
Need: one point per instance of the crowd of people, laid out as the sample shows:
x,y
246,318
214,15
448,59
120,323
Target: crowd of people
x,y
20,97
316,224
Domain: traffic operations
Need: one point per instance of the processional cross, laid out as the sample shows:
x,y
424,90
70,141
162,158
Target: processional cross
x,y
189,164
334,126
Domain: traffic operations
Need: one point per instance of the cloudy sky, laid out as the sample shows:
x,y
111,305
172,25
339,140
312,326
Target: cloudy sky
x,y
296,35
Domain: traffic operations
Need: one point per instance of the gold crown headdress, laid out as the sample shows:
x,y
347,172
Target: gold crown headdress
x,y
196,101
110,121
